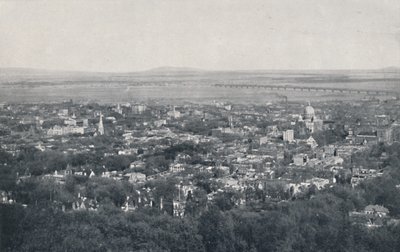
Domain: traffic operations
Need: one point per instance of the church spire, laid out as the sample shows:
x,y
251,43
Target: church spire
x,y
101,127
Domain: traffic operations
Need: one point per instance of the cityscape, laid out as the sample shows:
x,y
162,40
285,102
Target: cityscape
x,y
185,161
199,126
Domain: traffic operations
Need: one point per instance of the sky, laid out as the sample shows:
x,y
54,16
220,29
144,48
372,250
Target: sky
x,y
122,35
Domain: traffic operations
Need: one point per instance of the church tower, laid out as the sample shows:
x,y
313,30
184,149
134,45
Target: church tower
x,y
101,127
230,118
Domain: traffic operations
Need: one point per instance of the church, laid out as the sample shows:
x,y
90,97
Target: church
x,y
312,123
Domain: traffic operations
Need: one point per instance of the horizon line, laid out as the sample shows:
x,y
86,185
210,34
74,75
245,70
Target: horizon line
x,y
194,69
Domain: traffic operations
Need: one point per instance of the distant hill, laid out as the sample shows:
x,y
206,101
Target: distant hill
x,y
14,73
168,69
19,71
391,69
23,71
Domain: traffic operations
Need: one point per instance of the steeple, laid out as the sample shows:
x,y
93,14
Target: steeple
x,y
101,127
230,121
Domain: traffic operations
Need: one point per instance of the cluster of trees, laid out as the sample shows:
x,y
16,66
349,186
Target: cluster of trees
x,y
319,221
31,160
202,127
318,224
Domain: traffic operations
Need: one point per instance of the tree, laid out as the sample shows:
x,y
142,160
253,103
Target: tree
x,y
217,231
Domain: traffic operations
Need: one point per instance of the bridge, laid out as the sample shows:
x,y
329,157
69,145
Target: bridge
x,y
309,89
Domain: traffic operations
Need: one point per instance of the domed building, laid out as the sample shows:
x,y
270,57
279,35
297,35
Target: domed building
x,y
309,117
309,113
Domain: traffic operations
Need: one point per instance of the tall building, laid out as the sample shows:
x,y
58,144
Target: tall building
x,y
174,113
288,135
101,126
139,108
384,135
382,120
118,109
395,132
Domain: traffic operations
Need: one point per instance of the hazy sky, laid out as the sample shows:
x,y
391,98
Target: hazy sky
x,y
211,34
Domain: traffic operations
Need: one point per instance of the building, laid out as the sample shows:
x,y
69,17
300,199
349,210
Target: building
x,y
159,123
308,117
176,167
139,108
366,138
63,113
361,174
70,122
311,142
179,208
382,120
373,216
288,136
395,132
174,113
135,177
311,122
85,122
59,131
318,124
300,159
384,135
378,210
128,152
263,140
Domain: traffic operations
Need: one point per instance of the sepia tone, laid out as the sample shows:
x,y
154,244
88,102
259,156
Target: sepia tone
x,y
199,125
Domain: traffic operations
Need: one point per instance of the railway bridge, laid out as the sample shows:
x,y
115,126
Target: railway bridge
x,y
309,89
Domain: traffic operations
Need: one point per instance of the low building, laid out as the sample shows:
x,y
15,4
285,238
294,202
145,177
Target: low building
x,y
300,159
128,152
176,167
311,142
135,177
59,131
378,210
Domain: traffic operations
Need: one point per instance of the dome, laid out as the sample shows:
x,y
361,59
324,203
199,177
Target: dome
x,y
309,112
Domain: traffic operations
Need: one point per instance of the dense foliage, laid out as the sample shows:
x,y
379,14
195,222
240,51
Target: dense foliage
x,y
318,221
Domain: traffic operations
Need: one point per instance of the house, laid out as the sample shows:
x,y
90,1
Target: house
x,y
129,205
179,208
138,164
83,203
110,174
159,123
366,138
376,210
320,183
58,176
224,170
300,159
174,113
361,174
6,198
128,152
135,177
311,142
176,167
373,216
